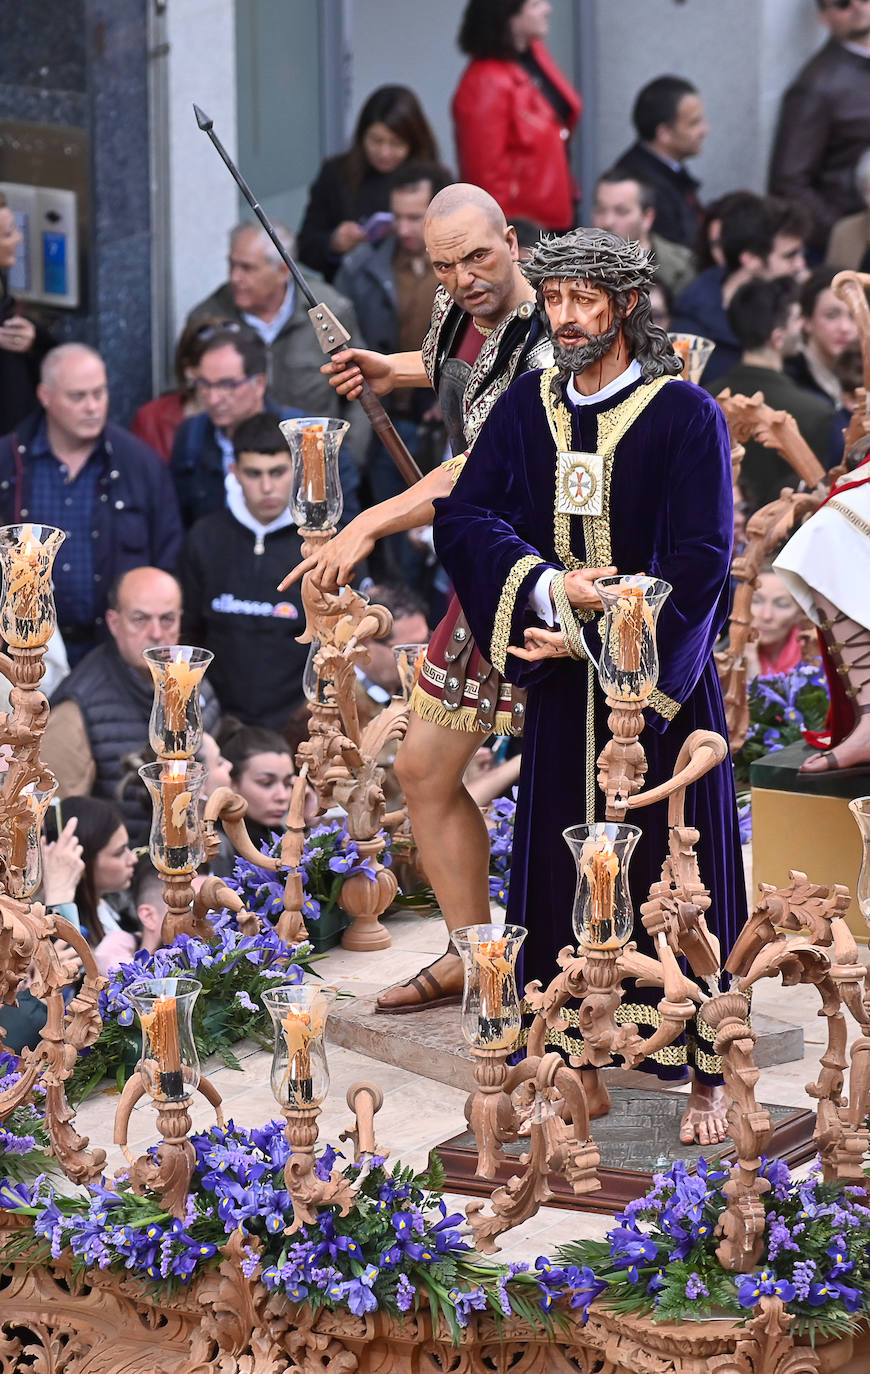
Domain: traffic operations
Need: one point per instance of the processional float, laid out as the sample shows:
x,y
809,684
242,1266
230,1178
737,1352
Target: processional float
x,y
797,933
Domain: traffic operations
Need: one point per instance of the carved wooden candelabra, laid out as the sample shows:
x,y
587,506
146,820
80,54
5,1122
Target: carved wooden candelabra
x,y
342,756
547,1099
29,954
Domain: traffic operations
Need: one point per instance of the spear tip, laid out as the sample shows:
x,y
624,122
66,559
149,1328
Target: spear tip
x,y
205,123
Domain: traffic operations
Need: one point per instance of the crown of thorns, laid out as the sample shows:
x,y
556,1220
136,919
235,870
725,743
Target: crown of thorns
x,y
590,255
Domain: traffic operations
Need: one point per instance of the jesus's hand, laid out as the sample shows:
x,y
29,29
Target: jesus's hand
x,y
580,590
540,644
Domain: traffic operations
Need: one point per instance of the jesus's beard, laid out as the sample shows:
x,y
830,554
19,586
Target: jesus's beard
x,y
582,356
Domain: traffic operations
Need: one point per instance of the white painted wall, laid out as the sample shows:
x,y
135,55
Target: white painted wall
x,y
413,42
204,204
741,54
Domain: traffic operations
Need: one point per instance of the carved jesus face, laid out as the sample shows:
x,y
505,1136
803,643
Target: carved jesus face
x,y
583,323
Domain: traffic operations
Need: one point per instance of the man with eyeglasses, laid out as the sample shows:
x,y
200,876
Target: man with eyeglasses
x,y
67,465
99,714
232,387
824,122
261,295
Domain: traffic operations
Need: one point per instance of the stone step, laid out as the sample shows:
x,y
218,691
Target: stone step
x,y
429,1043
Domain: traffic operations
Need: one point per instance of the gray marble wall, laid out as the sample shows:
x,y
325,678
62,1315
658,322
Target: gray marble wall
x,y
84,63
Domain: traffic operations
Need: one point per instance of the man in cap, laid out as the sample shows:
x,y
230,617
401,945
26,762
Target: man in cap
x,y
606,461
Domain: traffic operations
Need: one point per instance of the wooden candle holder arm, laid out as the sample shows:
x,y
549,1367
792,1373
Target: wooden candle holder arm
x,y
227,807
365,1100
852,287
703,750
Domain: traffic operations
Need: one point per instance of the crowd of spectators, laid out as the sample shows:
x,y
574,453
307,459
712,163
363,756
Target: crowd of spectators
x,y
178,527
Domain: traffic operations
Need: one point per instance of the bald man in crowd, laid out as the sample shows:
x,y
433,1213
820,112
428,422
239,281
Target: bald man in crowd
x,y
67,465
99,714
485,330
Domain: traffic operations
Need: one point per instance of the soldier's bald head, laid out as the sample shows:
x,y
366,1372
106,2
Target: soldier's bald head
x,y
463,196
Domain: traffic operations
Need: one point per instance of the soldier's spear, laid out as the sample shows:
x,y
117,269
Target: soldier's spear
x,y
331,333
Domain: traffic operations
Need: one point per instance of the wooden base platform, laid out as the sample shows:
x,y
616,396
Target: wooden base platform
x,y
638,1138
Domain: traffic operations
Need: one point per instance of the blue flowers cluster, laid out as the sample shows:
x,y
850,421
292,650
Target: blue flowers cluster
x,y
781,707
232,971
660,1257
398,1242
501,841
328,858
22,1135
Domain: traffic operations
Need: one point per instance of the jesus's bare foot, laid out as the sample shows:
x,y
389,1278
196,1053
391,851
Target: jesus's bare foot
x,y
597,1096
704,1120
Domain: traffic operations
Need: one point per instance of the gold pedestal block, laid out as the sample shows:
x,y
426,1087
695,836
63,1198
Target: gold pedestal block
x,y
816,834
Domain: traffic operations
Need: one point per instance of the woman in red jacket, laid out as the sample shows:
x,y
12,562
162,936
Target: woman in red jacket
x,y
513,113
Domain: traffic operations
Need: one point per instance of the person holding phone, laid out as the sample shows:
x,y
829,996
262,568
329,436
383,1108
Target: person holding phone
x,y
22,344
351,193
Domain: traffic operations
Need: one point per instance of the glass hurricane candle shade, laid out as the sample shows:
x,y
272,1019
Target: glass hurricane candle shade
x,y
169,1066
175,727
27,553
300,1073
860,809
628,668
316,498
490,1017
175,844
695,352
409,661
314,686
603,917
25,871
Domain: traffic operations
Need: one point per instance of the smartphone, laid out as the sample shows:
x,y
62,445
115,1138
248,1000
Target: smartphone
x,y
7,309
377,226
55,822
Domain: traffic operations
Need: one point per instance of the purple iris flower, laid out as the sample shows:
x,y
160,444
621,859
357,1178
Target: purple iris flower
x,y
831,1291
751,1287
465,1303
14,1195
629,1248
358,1292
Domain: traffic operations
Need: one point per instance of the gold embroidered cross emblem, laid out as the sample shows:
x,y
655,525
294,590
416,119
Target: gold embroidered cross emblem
x,y
580,478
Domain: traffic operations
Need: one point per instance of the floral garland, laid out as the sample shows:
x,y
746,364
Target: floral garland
x,y
329,857
399,1248
232,969
23,1137
396,1249
660,1258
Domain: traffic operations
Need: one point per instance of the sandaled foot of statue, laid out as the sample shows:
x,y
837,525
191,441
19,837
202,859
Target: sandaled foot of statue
x,y
704,1121
437,985
848,647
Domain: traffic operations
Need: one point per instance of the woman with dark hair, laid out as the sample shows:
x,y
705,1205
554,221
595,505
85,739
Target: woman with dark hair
x,y
353,187
514,111
829,328
109,867
262,773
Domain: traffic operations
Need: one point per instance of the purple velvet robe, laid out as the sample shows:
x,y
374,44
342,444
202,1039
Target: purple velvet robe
x,y
671,517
